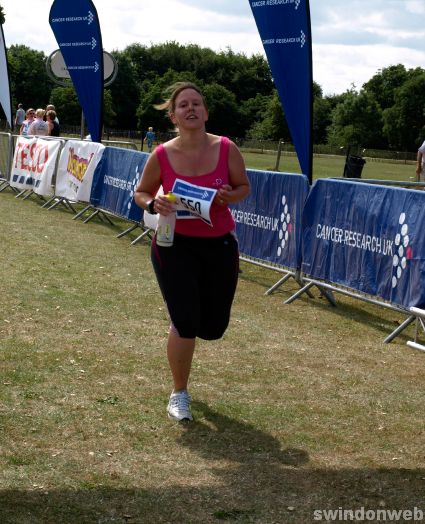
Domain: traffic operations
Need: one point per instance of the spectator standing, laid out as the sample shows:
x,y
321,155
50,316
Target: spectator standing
x,y
51,107
54,129
30,114
39,127
420,165
19,117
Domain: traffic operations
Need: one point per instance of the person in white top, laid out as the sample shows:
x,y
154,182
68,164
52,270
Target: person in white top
x,y
39,127
420,166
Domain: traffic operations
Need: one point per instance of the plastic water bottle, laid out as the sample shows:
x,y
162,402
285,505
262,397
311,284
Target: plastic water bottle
x,y
166,225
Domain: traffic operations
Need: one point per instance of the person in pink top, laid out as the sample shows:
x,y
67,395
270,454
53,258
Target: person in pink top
x,y
198,274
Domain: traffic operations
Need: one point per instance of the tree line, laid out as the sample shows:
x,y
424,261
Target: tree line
x,y
388,112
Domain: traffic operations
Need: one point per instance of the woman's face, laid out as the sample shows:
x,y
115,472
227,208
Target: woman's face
x,y
189,110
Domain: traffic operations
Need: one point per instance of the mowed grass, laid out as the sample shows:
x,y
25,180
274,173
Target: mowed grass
x,y
298,408
325,166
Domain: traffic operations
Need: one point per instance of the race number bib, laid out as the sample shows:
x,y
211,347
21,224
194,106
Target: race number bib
x,y
193,201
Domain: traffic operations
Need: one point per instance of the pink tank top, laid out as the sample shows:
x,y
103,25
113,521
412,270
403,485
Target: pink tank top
x,y
221,217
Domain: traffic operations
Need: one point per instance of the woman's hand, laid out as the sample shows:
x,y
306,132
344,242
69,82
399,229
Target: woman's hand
x,y
163,206
223,196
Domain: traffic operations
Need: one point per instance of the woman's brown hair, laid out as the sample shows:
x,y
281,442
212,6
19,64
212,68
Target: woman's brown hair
x,y
173,92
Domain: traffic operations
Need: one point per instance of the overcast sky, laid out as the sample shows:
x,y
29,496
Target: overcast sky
x,y
352,39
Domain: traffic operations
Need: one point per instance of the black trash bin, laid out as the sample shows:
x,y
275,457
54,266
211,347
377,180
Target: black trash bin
x,y
354,166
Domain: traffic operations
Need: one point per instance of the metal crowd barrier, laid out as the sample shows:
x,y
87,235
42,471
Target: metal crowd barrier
x,y
419,315
327,290
119,143
7,142
287,272
6,155
6,158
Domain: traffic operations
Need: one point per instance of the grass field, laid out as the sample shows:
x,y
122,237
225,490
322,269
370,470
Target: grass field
x,y
299,408
332,166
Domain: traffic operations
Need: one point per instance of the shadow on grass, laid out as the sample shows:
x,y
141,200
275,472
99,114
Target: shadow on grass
x,y
217,436
380,318
251,479
366,314
291,496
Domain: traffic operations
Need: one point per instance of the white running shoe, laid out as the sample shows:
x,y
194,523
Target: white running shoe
x,y
179,406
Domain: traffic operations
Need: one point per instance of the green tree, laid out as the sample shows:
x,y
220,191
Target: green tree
x,y
273,125
147,114
67,105
385,83
322,119
253,110
404,121
224,116
30,84
109,114
69,109
322,111
2,16
125,92
357,120
143,73
245,77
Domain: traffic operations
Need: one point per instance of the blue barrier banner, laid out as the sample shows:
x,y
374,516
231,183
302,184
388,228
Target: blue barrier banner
x,y
268,221
285,30
368,238
76,27
114,182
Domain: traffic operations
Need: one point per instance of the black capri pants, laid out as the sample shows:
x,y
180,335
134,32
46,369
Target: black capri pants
x,y
198,278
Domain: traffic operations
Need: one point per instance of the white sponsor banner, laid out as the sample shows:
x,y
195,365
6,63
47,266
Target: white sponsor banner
x,y
34,164
77,164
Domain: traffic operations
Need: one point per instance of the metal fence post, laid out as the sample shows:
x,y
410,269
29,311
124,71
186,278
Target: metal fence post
x,y
279,152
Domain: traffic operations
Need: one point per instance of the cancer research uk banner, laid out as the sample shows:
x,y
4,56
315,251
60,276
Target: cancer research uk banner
x,y
368,238
268,221
114,182
33,164
76,27
77,164
285,30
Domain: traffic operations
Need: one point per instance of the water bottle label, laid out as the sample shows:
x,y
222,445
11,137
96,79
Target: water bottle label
x,y
165,232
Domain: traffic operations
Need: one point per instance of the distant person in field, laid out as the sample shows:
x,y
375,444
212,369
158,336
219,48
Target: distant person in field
x,y
19,117
54,129
39,127
30,115
420,165
149,139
